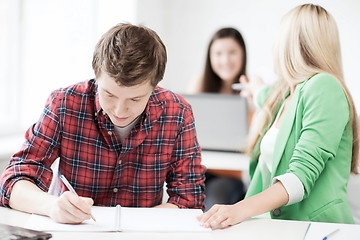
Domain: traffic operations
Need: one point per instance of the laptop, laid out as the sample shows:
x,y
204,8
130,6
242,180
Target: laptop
x,y
221,120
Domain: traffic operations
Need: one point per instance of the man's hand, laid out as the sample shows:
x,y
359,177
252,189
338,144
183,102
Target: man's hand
x,y
69,208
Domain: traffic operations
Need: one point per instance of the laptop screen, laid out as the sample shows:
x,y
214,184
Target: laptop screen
x,y
221,120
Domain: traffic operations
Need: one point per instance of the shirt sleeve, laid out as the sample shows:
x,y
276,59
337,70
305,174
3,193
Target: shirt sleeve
x,y
325,122
186,181
293,186
39,151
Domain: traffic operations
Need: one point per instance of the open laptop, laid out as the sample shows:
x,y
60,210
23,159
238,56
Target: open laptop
x,y
221,120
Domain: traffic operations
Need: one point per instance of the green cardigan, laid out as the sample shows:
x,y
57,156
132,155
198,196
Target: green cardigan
x,y
315,143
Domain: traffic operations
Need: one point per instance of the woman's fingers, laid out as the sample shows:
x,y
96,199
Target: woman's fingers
x,y
243,79
216,220
205,216
214,217
246,92
221,216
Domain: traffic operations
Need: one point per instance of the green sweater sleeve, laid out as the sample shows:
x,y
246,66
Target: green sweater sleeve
x,y
325,116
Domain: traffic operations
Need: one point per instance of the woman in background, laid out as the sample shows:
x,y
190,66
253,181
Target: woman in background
x,y
307,142
225,63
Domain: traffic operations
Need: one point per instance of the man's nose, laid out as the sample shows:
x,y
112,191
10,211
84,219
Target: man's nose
x,y
120,109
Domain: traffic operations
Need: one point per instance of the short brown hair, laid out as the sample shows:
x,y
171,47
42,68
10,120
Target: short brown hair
x,y
131,55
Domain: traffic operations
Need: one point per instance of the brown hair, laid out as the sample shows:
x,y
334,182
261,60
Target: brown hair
x,y
131,55
210,81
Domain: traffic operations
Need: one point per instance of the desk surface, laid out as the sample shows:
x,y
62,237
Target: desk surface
x,y
250,229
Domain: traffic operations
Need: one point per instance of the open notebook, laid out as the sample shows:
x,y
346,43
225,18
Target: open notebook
x,y
112,219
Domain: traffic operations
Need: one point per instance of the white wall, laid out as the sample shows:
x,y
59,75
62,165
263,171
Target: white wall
x,y
54,42
186,27
57,44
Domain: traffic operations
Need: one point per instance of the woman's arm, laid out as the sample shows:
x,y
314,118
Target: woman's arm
x,y
221,216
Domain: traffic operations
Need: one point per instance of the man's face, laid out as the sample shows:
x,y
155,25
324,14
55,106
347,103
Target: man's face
x,y
122,104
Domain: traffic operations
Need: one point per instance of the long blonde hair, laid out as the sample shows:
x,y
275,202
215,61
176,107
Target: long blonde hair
x,y
308,43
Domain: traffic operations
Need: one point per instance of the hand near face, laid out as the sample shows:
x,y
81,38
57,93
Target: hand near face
x,y
251,86
69,208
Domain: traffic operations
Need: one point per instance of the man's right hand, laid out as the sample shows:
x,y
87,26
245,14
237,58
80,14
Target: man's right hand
x,y
69,208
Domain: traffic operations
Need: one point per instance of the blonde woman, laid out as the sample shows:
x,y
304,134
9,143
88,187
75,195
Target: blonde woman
x,y
307,142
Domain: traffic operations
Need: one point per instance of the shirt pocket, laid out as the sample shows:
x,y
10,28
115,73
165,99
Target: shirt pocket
x,y
326,212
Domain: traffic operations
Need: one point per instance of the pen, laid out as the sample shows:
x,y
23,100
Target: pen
x,y
237,86
307,230
68,185
331,234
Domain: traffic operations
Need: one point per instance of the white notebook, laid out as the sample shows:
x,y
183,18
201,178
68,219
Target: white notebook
x,y
126,219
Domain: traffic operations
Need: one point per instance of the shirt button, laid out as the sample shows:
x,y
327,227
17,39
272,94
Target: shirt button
x,y
115,190
104,112
110,133
277,212
120,161
95,114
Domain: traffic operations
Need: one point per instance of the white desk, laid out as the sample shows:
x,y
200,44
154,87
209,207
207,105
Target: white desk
x,y
250,229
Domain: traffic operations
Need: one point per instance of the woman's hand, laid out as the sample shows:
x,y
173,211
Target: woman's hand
x,y
222,216
251,87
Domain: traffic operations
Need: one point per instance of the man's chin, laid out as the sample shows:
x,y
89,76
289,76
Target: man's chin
x,y
121,123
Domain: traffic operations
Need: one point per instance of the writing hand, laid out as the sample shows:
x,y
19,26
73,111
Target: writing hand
x,y
69,208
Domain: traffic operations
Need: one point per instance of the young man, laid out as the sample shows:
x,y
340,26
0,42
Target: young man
x,y
119,138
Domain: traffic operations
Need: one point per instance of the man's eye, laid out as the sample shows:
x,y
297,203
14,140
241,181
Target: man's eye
x,y
109,95
135,99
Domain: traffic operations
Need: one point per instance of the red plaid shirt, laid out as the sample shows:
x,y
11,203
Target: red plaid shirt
x,y
162,147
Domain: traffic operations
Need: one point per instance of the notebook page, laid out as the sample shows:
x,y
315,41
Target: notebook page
x,y
160,219
105,221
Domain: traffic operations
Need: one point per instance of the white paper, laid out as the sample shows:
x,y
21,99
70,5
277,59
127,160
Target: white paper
x,y
131,219
160,219
105,218
319,230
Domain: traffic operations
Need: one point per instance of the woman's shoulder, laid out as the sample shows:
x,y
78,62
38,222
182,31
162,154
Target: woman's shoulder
x,y
324,88
322,81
